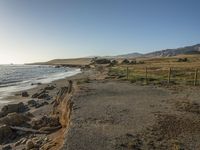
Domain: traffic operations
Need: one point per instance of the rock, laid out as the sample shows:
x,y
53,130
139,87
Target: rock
x,y
36,83
29,115
50,129
41,104
57,66
25,94
7,147
10,108
14,119
38,94
24,140
5,133
21,141
32,103
29,144
49,87
42,95
37,104
46,121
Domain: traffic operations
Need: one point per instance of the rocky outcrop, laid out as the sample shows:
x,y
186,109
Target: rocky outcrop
x,y
46,121
14,119
29,145
42,95
25,94
7,147
37,104
49,87
5,133
10,108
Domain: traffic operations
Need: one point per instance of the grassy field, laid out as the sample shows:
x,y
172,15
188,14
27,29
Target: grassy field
x,y
158,70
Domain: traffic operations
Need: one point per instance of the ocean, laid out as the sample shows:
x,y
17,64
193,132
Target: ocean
x,y
14,78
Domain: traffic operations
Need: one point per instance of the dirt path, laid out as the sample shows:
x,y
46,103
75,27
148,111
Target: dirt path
x,y
119,115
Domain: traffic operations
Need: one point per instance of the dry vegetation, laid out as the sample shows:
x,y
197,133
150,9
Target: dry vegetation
x,y
158,69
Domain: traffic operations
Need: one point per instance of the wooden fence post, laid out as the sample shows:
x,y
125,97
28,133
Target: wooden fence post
x,y
146,78
127,73
169,75
195,77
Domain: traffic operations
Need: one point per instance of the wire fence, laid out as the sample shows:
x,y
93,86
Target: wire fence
x,y
172,75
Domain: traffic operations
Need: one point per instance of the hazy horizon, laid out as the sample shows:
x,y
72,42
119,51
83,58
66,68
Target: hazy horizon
x,y
40,30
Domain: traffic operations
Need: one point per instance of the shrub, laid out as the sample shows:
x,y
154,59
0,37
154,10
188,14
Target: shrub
x,y
113,62
125,61
182,60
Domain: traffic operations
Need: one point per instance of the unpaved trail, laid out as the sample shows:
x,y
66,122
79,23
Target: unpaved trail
x,y
110,115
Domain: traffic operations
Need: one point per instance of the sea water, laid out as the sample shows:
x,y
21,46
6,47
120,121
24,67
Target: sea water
x,y
14,78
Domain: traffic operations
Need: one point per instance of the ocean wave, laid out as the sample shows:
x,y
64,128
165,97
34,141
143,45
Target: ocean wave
x,y
11,87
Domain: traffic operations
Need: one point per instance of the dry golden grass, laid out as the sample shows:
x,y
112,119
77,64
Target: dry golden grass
x,y
158,69
75,61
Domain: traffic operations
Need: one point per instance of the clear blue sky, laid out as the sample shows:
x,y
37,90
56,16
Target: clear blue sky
x,y
39,30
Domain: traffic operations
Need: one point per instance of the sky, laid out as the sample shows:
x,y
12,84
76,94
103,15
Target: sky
x,y
41,30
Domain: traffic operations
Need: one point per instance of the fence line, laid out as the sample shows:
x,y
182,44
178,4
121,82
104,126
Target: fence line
x,y
147,70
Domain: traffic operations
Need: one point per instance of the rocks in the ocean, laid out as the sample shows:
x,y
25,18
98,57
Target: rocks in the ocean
x,y
25,94
7,147
46,121
49,87
14,119
29,144
36,83
5,133
10,108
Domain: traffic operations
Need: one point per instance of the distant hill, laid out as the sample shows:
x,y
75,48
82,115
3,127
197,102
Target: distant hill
x,y
195,49
130,55
188,50
70,62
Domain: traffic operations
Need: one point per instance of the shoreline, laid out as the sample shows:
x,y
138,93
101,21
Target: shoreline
x,y
45,108
10,96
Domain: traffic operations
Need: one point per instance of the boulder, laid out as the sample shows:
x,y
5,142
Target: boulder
x,y
49,87
36,95
46,121
37,104
41,104
14,119
29,144
7,147
42,95
10,108
5,133
32,103
25,94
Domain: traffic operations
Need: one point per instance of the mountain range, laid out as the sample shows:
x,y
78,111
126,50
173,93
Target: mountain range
x,y
194,49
